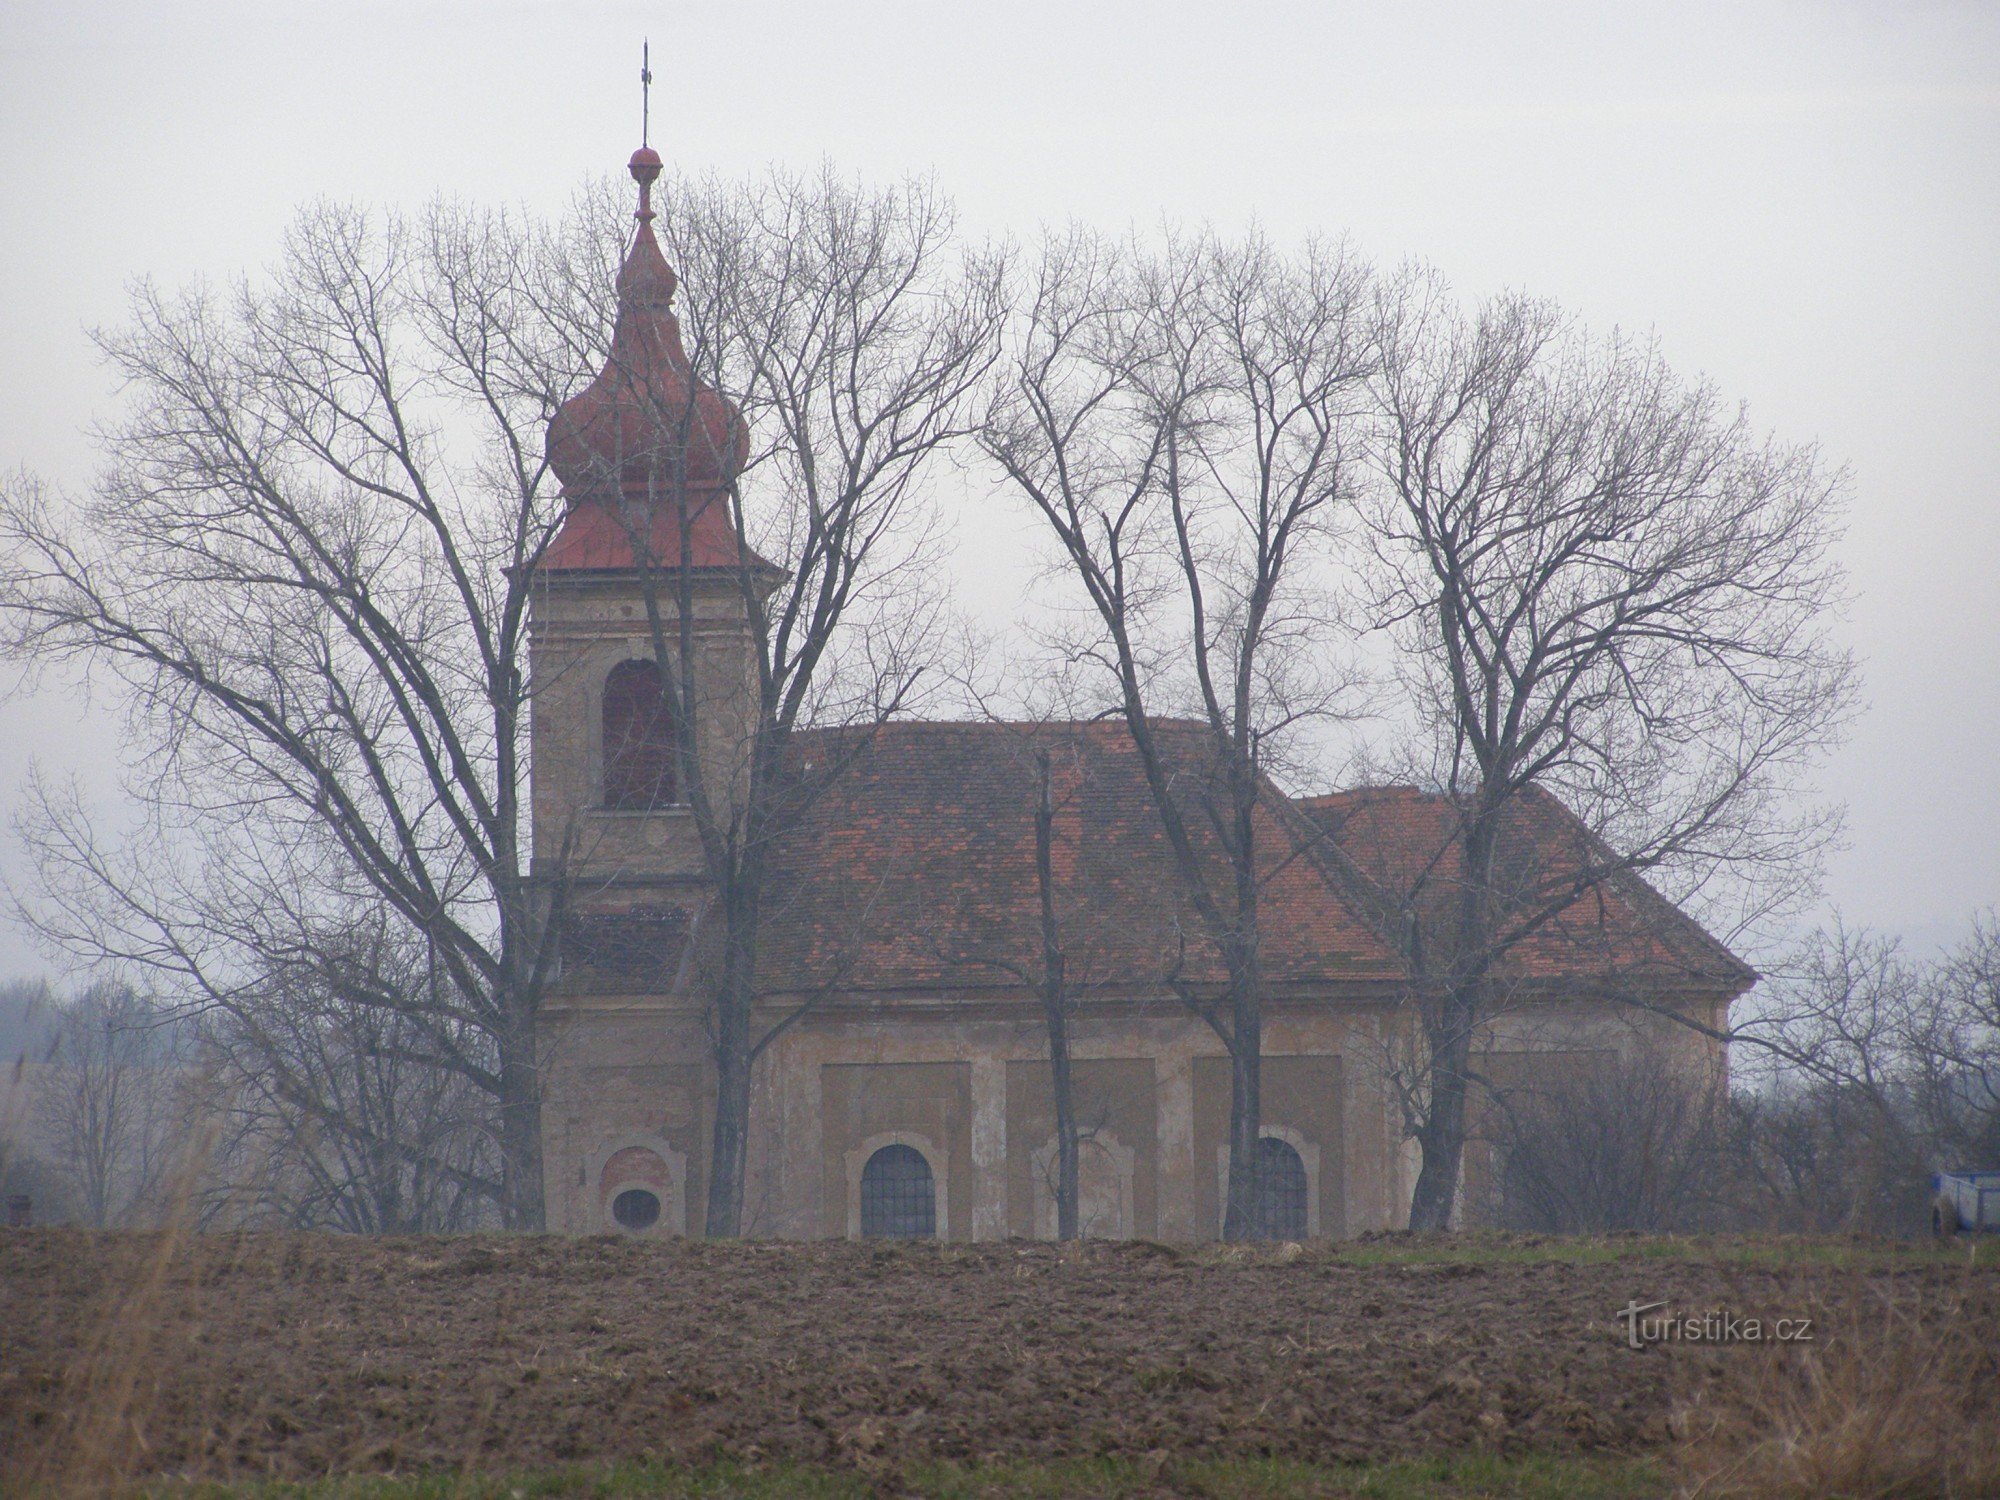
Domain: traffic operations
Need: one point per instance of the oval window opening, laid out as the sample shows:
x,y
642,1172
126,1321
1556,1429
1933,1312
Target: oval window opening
x,y
635,1208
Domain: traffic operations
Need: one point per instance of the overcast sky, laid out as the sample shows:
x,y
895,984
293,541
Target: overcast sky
x,y
1803,200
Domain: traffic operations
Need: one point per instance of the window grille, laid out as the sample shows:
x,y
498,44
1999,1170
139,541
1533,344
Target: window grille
x,y
1281,1190
898,1196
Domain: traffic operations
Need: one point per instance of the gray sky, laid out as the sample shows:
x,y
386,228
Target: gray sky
x,y
1802,199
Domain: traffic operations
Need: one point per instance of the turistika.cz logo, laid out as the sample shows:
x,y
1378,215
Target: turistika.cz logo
x,y
1716,1326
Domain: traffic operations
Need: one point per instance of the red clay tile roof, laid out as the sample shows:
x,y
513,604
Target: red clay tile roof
x,y
647,434
915,872
593,538
1403,841
647,423
916,869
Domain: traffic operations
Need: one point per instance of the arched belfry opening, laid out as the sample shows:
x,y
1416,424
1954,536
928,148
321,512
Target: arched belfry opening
x,y
639,739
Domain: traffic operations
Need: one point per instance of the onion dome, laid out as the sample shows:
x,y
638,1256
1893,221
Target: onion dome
x,y
646,442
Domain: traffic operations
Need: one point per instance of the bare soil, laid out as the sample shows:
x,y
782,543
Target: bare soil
x,y
232,1356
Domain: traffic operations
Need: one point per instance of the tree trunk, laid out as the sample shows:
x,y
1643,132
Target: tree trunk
x,y
521,1123
1243,1218
1055,1005
729,1142
1441,1138
1240,1219
1067,1140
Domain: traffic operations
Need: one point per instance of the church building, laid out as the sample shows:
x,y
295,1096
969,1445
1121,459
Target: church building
x,y
905,1087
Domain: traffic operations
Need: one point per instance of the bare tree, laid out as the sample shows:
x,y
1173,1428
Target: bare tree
x,y
336,1111
1952,1041
1876,1069
104,1102
850,334
1052,989
1818,1155
29,1186
1606,589
1842,1008
1634,1143
307,567
27,1009
1052,958
1185,422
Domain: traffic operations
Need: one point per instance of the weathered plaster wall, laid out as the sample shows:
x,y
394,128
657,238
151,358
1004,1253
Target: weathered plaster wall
x,y
613,1081
974,1093
1301,1104
585,626
1117,1109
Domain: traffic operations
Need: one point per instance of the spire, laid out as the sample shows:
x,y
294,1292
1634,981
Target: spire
x,y
646,280
645,163
647,432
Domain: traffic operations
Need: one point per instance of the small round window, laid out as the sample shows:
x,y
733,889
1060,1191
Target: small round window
x,y
635,1208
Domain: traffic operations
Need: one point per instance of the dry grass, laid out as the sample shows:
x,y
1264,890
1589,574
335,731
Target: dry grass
x,y
1899,1396
128,1354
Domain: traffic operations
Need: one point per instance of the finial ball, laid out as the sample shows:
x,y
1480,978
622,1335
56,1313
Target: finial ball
x,y
644,166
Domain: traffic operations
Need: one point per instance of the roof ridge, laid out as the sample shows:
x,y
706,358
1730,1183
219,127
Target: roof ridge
x,y
1367,897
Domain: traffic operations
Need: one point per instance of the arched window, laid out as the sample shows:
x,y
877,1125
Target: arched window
x,y
638,739
1281,1190
898,1197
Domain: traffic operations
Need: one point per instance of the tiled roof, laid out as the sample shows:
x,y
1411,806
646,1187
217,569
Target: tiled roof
x,y
1404,841
647,436
915,871
916,868
592,538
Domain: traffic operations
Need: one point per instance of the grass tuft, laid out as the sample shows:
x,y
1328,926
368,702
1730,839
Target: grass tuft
x,y
1886,1404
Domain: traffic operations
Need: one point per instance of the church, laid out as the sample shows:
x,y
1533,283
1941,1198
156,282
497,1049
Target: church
x,y
903,1087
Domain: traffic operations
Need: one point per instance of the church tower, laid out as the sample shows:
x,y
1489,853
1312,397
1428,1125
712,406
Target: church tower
x,y
644,670
646,455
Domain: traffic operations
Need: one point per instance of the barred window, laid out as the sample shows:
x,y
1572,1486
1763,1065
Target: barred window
x,y
898,1196
1281,1191
638,739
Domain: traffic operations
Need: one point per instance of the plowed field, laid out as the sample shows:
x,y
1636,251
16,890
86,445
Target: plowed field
x,y
234,1356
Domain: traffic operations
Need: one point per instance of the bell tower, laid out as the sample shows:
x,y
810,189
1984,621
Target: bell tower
x,y
624,733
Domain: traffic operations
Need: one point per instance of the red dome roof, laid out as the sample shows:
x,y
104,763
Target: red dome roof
x,y
647,432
